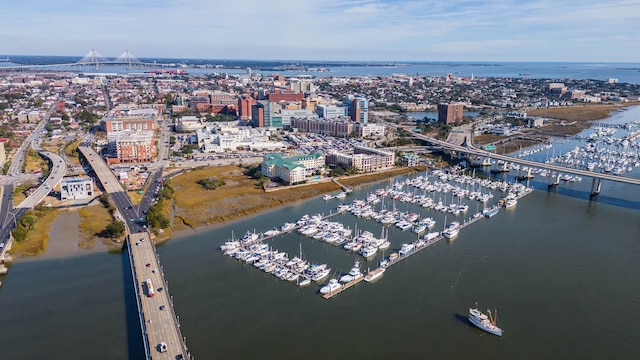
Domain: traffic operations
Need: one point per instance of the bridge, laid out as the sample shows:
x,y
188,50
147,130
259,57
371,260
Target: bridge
x,y
95,59
596,176
158,322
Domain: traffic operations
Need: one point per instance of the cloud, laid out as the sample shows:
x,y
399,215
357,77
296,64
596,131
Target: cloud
x,y
321,29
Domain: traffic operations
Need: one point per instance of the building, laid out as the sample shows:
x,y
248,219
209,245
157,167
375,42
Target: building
x,y
357,107
370,130
189,123
244,108
450,113
341,127
135,146
364,159
221,137
535,122
76,188
330,111
291,170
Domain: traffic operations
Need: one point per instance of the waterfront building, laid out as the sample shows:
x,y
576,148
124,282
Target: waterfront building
x,y
364,159
76,188
294,169
450,113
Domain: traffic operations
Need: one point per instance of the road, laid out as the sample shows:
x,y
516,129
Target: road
x,y
160,323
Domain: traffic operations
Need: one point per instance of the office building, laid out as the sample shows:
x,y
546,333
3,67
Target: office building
x,y
450,113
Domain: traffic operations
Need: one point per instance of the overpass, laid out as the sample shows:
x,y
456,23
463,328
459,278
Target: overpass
x,y
158,322
596,176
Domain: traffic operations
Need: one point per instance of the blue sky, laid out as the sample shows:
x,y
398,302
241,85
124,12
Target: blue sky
x,y
382,30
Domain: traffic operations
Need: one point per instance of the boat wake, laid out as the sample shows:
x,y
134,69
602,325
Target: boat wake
x,y
464,308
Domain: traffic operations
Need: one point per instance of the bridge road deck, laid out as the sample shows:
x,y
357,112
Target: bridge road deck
x,y
160,322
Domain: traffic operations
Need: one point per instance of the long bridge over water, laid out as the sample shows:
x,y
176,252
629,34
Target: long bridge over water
x,y
162,338
95,60
470,150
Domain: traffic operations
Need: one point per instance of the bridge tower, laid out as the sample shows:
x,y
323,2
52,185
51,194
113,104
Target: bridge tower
x,y
128,59
92,58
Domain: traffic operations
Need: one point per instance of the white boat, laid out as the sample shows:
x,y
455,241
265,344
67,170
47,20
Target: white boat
x,y
419,228
403,225
327,197
272,232
510,203
288,227
384,245
320,275
373,275
353,274
304,282
450,233
406,248
432,235
484,322
331,287
340,195
368,251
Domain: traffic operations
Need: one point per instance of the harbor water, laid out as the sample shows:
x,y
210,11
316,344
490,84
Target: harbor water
x,y
560,268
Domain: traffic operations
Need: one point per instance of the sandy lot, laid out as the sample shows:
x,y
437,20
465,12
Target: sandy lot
x,y
65,237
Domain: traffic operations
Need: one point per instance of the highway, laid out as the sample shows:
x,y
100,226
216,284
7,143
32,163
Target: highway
x,y
159,322
556,168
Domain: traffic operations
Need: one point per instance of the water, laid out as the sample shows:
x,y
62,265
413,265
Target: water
x,y
624,72
560,269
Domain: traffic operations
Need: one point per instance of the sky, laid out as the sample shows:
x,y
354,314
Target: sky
x,y
341,30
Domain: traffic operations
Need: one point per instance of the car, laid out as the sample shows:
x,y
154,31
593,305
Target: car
x,y
162,307
155,271
1,245
148,265
160,289
138,244
131,220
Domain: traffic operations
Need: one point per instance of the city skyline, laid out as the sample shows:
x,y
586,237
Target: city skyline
x,y
356,30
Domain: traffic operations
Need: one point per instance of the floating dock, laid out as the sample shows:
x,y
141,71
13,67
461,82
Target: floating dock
x,y
343,288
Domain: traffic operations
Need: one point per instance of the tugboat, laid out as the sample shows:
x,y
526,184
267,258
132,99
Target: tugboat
x,y
484,322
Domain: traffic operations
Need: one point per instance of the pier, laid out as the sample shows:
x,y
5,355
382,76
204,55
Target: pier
x,y
265,259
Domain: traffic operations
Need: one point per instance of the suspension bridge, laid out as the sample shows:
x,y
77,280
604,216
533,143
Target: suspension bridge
x,y
95,60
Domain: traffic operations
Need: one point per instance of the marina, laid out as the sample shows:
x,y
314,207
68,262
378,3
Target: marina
x,y
253,248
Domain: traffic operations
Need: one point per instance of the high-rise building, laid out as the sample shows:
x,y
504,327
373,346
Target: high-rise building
x,y
244,107
357,108
450,113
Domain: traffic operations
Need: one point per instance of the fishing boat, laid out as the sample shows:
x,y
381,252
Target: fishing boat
x,y
331,287
373,275
353,274
484,322
510,203
491,212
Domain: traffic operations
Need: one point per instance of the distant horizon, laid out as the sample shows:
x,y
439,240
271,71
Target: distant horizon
x,y
376,62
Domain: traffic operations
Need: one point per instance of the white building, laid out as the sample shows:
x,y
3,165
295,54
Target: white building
x,y
189,123
221,137
370,129
76,188
331,111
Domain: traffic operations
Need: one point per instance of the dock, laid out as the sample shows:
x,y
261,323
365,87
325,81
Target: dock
x,y
343,288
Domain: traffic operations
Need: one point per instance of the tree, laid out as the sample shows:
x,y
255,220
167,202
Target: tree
x,y
115,229
210,183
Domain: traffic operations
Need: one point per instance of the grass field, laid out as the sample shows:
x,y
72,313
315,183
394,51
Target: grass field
x,y
69,151
194,206
37,237
94,219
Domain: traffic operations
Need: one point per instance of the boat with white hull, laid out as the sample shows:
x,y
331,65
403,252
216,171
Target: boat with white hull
x,y
484,322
